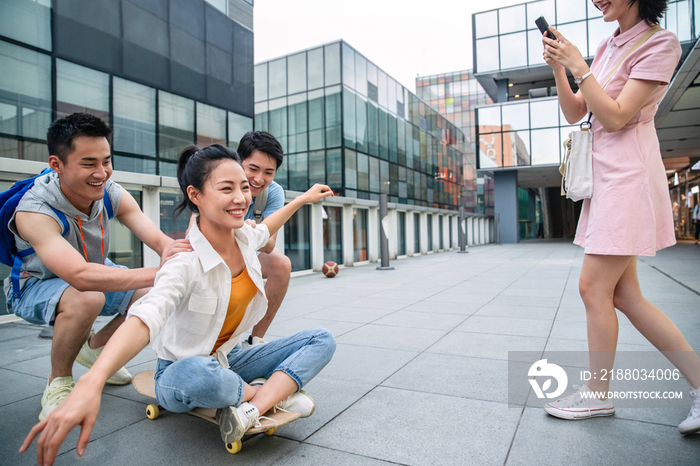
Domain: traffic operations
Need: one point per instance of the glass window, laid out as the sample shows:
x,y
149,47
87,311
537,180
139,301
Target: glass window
x,y
261,82
316,120
598,30
277,122
315,68
372,129
298,166
124,247
577,35
360,74
383,134
174,228
361,124
281,175
382,91
490,150
515,117
374,174
486,24
25,92
27,21
333,117
175,124
490,116
296,70
350,169
362,172
297,239
334,168
487,54
317,167
536,9
360,234
348,66
513,50
401,233
544,113
135,164
277,78
211,125
568,11
81,89
511,19
298,123
238,125
535,47
516,149
331,55
134,117
333,234
545,146
349,135
384,176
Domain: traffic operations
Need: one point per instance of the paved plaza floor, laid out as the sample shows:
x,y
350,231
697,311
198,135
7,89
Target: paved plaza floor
x,y
419,377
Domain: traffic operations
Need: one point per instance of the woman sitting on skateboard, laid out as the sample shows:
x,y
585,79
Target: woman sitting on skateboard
x,y
200,304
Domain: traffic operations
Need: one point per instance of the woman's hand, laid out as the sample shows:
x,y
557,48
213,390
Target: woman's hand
x,y
548,58
563,53
316,193
80,407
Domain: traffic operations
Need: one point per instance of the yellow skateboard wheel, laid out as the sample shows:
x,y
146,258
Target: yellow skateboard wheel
x,y
271,431
152,412
234,447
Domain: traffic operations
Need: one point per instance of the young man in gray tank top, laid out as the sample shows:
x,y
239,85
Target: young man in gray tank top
x,y
70,281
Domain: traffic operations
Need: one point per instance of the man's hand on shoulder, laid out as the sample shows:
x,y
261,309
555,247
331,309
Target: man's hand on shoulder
x,y
174,248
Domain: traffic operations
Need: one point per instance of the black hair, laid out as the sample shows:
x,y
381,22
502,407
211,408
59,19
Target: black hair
x,y
194,165
62,132
262,141
651,11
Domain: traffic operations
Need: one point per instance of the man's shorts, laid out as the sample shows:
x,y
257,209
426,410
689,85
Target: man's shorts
x,y
40,298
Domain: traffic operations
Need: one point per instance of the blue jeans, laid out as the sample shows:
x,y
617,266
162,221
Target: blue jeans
x,y
200,382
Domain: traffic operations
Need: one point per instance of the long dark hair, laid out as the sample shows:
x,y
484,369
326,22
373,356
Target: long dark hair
x,y
194,165
651,11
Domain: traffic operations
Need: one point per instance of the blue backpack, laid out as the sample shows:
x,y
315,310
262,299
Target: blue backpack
x,y
9,255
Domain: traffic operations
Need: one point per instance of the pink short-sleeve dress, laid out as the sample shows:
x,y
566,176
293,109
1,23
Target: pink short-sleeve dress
x,y
630,210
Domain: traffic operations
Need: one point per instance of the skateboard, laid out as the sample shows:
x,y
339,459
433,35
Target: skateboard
x,y
145,385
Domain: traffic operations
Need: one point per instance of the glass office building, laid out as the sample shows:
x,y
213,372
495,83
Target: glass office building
x,y
344,122
456,96
162,73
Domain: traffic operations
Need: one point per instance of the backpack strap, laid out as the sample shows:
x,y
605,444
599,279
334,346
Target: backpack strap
x,y
108,205
260,204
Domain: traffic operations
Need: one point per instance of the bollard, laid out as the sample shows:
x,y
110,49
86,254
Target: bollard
x,y
384,242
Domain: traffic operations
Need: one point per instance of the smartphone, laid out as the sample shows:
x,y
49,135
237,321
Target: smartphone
x,y
543,25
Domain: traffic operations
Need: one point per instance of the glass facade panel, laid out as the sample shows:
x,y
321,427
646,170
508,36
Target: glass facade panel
x,y
297,239
211,125
317,167
334,169
238,125
333,117
576,34
277,123
568,11
298,166
511,19
316,120
134,117
277,78
281,175
349,136
362,172
333,234
513,50
331,54
80,89
536,9
598,30
27,21
261,82
490,116
360,74
25,93
361,124
174,228
296,69
535,48
515,117
360,234
348,66
315,68
124,247
175,125
487,54
486,24
298,123
350,169
374,174
545,146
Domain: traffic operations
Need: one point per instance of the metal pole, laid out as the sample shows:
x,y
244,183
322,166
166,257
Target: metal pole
x,y
462,231
383,227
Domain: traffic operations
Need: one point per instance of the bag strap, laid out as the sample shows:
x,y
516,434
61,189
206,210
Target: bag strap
x,y
636,45
260,204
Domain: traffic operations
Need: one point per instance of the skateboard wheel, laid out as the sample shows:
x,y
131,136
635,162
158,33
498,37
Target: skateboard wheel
x,y
271,431
152,412
234,447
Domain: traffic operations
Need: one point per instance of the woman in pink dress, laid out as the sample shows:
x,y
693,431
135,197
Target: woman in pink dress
x,y
629,213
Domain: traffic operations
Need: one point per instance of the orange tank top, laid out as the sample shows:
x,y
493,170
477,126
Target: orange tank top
x,y
243,291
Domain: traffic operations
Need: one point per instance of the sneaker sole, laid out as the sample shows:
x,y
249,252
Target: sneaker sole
x,y
690,428
578,415
83,362
229,424
312,401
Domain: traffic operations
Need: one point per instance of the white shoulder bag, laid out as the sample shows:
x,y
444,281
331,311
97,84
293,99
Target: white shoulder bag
x,y
577,165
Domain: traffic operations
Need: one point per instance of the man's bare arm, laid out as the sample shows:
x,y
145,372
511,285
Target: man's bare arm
x,y
44,235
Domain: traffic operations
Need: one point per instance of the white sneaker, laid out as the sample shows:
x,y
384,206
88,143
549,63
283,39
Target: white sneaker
x,y
299,402
581,405
54,393
234,422
692,422
252,341
87,357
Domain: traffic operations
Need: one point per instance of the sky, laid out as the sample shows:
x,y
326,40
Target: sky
x,y
405,38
